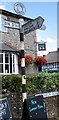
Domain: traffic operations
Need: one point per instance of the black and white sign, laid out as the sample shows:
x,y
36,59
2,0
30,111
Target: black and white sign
x,y
5,111
33,25
28,27
34,109
12,24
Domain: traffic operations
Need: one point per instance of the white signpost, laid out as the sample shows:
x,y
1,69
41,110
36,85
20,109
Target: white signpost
x,y
24,29
33,25
12,24
27,27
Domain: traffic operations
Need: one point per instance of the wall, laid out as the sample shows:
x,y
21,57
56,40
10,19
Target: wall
x,y
52,105
12,36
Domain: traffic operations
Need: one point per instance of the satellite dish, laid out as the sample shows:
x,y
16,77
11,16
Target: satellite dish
x,y
16,8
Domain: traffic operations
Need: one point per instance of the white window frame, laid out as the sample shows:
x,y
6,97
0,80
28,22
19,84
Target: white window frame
x,y
15,63
7,63
42,46
2,61
1,24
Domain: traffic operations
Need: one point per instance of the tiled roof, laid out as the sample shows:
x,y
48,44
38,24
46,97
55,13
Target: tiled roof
x,y
8,47
52,57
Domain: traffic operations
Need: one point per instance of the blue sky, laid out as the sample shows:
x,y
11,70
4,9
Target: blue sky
x,y
48,10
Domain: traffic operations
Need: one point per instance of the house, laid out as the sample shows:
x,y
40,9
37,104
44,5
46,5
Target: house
x,y
52,62
10,42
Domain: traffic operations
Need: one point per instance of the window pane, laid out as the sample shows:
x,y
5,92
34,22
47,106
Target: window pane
x,y
6,58
10,63
1,58
41,47
3,28
13,58
14,68
3,18
6,68
1,68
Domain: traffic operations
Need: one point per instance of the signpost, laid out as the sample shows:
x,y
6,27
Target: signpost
x,y
33,25
23,30
12,24
27,27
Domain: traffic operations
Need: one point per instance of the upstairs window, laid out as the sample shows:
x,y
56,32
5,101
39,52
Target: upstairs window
x,y
42,47
2,23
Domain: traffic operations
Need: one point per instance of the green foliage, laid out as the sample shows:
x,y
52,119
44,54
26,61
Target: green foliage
x,y
11,83
41,81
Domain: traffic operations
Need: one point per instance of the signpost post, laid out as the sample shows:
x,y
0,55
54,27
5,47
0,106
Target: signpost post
x,y
25,29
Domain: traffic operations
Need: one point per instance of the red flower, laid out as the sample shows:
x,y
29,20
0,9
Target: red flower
x,y
40,60
28,60
19,61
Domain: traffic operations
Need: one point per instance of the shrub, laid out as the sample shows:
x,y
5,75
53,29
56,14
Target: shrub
x,y
11,83
41,81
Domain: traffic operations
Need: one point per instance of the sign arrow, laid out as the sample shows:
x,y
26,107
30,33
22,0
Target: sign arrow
x,y
33,25
27,27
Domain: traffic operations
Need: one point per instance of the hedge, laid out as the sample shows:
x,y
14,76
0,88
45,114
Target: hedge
x,y
41,81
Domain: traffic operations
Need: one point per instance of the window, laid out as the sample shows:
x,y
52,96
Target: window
x,y
8,63
1,63
41,47
14,63
2,23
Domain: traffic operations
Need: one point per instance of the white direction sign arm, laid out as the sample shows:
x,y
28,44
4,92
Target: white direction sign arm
x,y
12,24
27,27
33,25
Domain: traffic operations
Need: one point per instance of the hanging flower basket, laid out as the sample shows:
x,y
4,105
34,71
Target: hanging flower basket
x,y
28,60
39,60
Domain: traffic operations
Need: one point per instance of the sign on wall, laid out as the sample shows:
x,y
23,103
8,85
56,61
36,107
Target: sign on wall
x,y
5,110
34,109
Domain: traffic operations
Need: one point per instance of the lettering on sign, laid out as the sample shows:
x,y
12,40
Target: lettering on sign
x,y
35,109
27,27
5,111
33,25
50,94
12,24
